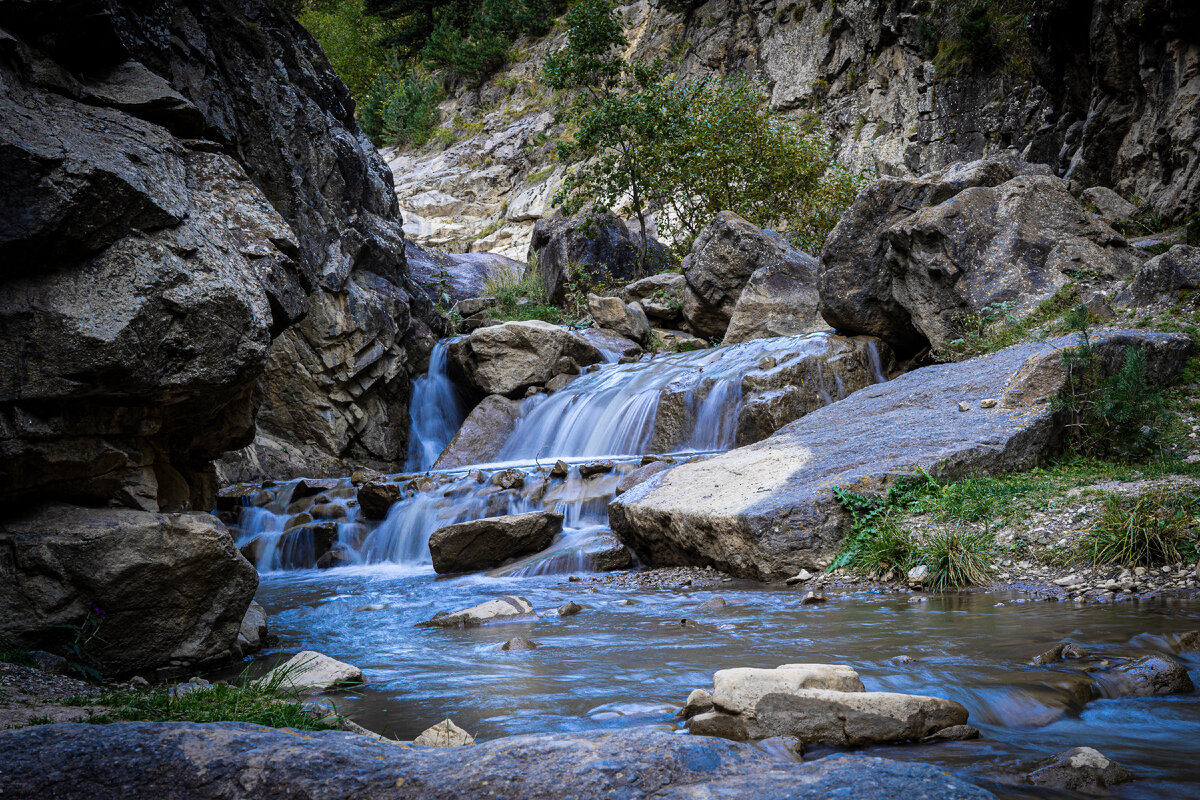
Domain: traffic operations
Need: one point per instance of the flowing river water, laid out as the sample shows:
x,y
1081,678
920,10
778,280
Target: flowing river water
x,y
633,655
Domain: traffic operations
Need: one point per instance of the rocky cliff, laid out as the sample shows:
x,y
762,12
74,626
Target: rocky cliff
x,y
192,228
1105,91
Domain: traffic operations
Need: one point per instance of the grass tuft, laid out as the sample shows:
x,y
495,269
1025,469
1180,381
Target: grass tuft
x,y
956,556
1149,530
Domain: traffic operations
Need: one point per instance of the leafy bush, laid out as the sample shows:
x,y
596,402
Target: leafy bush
x,y
962,36
350,39
1150,530
401,109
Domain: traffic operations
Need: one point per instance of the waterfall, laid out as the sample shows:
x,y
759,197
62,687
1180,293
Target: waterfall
x,y
435,411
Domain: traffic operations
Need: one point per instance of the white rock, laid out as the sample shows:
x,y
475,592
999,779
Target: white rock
x,y
804,575
444,734
505,609
738,690
918,573
310,671
964,406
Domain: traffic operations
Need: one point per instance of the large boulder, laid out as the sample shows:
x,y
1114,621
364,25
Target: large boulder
x,y
482,434
507,359
1163,280
780,299
912,258
625,320
723,258
489,542
767,510
600,245
239,761
165,589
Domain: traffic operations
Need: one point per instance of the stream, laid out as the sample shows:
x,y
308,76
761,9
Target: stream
x,y
628,659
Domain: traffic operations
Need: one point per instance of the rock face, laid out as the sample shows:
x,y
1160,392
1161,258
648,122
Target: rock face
x,y
767,510
723,258
239,761
604,247
459,275
173,588
310,671
1162,280
818,703
482,434
489,542
911,258
1080,769
507,359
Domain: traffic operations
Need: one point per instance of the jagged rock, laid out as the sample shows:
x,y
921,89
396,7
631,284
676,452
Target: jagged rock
x,y
1162,279
632,479
1080,769
595,468
309,671
506,609
141,761
569,609
615,315
1148,676
170,588
1110,205
611,345
508,479
911,257
780,299
486,543
482,434
507,359
601,245
252,633
608,554
818,703
767,510
444,734
723,258
678,341
376,498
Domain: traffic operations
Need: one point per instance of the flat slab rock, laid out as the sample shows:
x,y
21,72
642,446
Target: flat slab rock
x,y
504,609
767,510
231,761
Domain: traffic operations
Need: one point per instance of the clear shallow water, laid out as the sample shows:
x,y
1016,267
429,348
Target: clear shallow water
x,y
626,660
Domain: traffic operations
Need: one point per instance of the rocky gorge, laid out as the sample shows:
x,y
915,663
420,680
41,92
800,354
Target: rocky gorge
x,y
259,426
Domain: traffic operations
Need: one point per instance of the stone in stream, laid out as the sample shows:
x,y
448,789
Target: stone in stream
x,y
607,554
444,734
1060,652
1080,769
240,761
520,643
678,341
955,733
485,543
595,468
505,609
569,609
253,631
611,313
818,703
767,510
714,604
1147,676
310,671
698,702
508,359
645,472
375,498
482,434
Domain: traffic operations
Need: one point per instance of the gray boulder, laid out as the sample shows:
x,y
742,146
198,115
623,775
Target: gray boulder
x,y
723,258
1108,204
600,245
767,510
628,321
507,359
460,276
489,542
166,589
239,761
252,633
1080,769
1163,279
661,296
1148,676
780,299
482,434
505,609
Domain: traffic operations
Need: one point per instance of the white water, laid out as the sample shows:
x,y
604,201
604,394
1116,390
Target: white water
x,y
436,412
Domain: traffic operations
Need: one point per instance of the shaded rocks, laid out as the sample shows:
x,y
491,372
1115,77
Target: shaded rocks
x,y
615,315
168,590
660,296
1080,769
486,543
1108,204
1060,652
601,245
642,473
818,703
482,434
608,554
1148,676
309,671
723,258
767,510
252,634
955,733
1161,280
376,498
508,359
505,609
780,299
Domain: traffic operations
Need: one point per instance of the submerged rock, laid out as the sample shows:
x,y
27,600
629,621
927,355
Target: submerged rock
x,y
508,359
444,734
239,761
767,510
1147,676
1080,769
1060,652
310,671
520,643
489,542
506,609
482,434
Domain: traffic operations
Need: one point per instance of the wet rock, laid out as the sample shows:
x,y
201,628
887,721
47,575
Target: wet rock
x,y
1060,652
1162,280
252,634
519,643
376,498
1080,769
135,761
1110,205
780,299
1147,676
485,543
507,359
337,556
328,511
185,604
812,599
607,554
508,479
570,609
625,320
482,434
678,341
767,510
309,671
595,468
444,734
715,604
505,609
560,469
631,479
610,343
957,733
601,245
303,545
698,702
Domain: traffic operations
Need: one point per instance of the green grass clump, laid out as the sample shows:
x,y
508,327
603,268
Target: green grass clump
x,y
1149,530
956,556
11,654
520,298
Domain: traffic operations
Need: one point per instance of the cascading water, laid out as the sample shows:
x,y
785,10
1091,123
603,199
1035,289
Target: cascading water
x,y
682,404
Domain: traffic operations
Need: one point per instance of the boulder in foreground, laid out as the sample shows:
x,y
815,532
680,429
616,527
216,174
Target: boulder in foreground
x,y
238,761
767,510
489,542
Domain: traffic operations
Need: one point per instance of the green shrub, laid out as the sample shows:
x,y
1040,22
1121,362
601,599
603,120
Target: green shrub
x,y
1149,530
956,556
520,298
401,109
962,36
